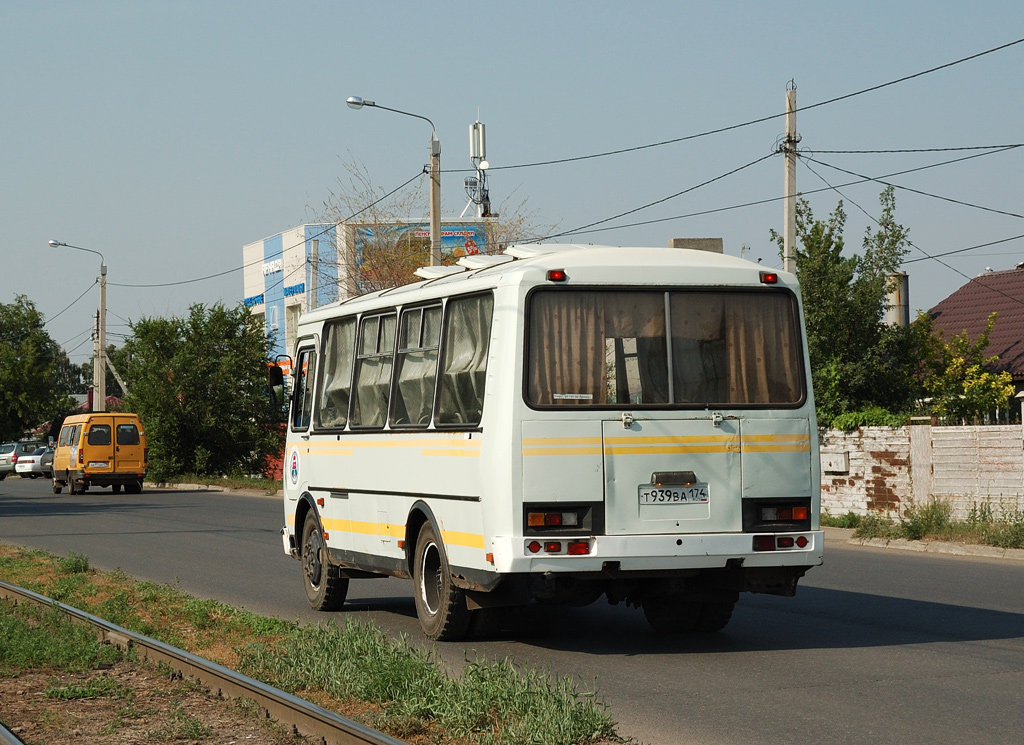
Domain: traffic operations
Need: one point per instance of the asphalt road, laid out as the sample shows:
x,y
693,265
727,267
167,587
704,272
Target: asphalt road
x,y
879,646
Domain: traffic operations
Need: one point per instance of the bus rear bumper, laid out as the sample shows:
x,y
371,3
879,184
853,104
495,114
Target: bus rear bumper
x,y
659,552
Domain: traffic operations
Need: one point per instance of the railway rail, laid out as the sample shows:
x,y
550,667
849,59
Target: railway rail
x,y
307,719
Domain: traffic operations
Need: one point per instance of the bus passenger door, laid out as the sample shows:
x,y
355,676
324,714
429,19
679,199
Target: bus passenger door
x,y
297,462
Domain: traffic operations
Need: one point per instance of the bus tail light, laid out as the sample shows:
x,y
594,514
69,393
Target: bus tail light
x,y
773,542
81,456
578,548
552,519
771,514
769,278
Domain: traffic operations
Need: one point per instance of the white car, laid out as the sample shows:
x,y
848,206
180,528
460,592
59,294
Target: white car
x,y
30,465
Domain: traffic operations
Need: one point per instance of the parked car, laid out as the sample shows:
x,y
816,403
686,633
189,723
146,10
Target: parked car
x,y
5,458
46,462
30,466
10,458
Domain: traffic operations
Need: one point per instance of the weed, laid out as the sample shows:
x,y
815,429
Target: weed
x,y
932,518
181,726
849,520
96,687
33,637
73,564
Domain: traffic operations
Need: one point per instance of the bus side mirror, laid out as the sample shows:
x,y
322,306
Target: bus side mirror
x,y
275,381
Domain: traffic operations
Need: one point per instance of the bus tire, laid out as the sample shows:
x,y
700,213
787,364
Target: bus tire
x,y
57,486
116,489
672,614
325,588
72,488
440,605
715,616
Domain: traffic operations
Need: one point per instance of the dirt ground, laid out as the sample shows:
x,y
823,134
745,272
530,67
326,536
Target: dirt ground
x,y
140,704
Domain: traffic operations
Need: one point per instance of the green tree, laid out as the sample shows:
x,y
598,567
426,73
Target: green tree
x,y
857,361
35,374
199,384
960,381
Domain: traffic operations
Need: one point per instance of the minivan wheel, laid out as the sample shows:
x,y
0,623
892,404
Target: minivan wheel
x,y
72,488
57,487
115,488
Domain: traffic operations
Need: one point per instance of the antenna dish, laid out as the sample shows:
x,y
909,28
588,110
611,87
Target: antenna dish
x,y
484,165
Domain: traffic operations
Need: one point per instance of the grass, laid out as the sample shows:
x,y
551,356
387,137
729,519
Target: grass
x,y
355,669
933,520
270,486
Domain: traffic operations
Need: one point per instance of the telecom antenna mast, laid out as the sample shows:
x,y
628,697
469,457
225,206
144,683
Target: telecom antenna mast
x,y
476,186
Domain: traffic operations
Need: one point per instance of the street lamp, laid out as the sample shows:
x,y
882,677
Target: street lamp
x,y
99,366
355,102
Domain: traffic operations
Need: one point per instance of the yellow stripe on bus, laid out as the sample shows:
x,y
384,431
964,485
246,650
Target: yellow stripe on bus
x,y
450,537
669,440
542,441
804,448
456,538
451,453
652,449
563,451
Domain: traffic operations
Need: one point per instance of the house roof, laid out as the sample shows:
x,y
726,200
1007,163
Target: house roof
x,y
968,310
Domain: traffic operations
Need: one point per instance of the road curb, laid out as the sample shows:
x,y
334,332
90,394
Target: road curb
x,y
934,547
212,488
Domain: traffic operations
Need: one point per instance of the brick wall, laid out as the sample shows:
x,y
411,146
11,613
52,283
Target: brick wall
x,y
879,470
890,468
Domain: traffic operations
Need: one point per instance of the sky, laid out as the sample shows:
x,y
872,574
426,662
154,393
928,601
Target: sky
x,y
167,135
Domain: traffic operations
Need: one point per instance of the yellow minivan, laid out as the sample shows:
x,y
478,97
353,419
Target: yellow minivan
x,y
100,449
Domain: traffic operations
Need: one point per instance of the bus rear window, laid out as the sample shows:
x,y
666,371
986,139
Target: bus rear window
x,y
683,349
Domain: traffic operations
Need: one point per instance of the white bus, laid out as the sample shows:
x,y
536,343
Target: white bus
x,y
558,423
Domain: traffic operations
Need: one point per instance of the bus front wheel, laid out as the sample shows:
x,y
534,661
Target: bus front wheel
x,y
326,589
440,605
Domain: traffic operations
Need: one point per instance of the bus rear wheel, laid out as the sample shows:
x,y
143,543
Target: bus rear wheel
x,y
674,614
325,588
440,605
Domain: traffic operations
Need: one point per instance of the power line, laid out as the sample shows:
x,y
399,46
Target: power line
x,y
253,263
969,248
924,193
657,201
926,254
913,150
762,119
72,302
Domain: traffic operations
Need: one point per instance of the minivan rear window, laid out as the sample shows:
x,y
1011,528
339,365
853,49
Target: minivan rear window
x,y
127,434
99,434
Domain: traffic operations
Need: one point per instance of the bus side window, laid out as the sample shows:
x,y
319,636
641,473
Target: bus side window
x,y
302,401
416,367
466,336
373,371
65,436
339,346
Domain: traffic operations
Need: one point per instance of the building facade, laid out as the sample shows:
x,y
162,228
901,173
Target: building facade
x,y
312,265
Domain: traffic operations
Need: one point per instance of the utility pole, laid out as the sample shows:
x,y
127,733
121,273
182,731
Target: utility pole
x,y
789,202
99,393
435,200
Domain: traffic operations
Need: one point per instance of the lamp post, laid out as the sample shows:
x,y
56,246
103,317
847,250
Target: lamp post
x,y
357,103
99,366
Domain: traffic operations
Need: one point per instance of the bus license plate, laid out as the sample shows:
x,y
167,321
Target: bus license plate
x,y
674,494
